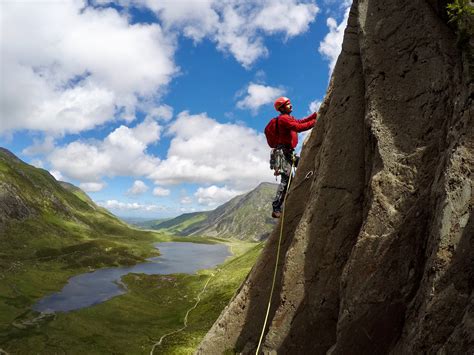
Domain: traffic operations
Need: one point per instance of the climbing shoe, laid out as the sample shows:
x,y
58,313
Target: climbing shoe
x,y
276,214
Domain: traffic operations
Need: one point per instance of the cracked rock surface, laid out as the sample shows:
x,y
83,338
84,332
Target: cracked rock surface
x,y
377,249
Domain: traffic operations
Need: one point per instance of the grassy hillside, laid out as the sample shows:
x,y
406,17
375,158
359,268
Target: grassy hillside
x,y
50,231
182,223
41,218
134,322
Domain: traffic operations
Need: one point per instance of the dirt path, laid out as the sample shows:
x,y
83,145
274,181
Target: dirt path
x,y
185,321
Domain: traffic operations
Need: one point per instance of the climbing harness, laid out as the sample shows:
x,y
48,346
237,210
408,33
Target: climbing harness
x,y
281,158
276,262
277,161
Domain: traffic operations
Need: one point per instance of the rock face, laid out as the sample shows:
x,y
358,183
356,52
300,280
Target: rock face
x,y
377,249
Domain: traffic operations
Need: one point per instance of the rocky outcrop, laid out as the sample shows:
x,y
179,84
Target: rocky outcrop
x,y
377,249
11,205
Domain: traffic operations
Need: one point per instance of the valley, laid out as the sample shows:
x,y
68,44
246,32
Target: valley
x,y
52,231
127,324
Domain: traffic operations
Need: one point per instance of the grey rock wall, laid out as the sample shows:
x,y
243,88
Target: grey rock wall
x,y
377,251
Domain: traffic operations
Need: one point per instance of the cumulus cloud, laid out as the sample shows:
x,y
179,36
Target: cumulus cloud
x,y
160,192
296,19
237,27
186,200
203,150
331,46
127,206
162,112
259,95
121,153
40,147
138,188
314,106
92,186
214,195
68,67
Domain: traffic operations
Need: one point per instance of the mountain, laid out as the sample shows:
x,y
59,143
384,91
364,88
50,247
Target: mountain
x,y
143,222
246,217
377,252
43,218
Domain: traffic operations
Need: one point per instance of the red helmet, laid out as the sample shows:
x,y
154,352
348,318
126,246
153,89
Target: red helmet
x,y
281,101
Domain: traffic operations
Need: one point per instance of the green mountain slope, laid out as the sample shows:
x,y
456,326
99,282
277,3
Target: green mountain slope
x,y
183,222
43,218
246,217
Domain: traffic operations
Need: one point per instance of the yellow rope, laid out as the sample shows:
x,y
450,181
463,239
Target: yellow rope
x,y
276,262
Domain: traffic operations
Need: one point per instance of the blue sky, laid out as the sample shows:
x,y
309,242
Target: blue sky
x,y
156,108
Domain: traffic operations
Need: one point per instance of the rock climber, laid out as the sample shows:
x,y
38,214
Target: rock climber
x,y
282,135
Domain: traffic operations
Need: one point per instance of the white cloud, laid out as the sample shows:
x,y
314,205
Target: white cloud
x,y
138,188
125,206
301,139
331,46
236,26
203,150
122,153
68,67
162,112
259,95
92,186
188,209
186,200
160,192
57,174
214,195
288,17
195,18
314,106
38,163
40,147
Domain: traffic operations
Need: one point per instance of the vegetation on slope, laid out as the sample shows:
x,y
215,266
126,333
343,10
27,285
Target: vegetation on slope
x,y
461,13
51,231
42,219
181,223
132,323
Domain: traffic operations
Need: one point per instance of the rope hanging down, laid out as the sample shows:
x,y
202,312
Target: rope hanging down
x,y
276,261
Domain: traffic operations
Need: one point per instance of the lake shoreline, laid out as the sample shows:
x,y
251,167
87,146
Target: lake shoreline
x,y
91,288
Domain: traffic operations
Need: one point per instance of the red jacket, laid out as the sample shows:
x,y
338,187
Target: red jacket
x,y
288,128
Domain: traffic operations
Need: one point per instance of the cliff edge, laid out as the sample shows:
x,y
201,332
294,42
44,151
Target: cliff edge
x,y
377,250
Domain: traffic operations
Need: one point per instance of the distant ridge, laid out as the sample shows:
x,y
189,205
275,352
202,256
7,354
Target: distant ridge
x,y
246,217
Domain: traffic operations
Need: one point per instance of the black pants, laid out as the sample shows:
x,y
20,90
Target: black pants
x,y
285,178
281,192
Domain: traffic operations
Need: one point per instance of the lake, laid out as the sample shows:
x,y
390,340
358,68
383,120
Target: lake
x,y
101,285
